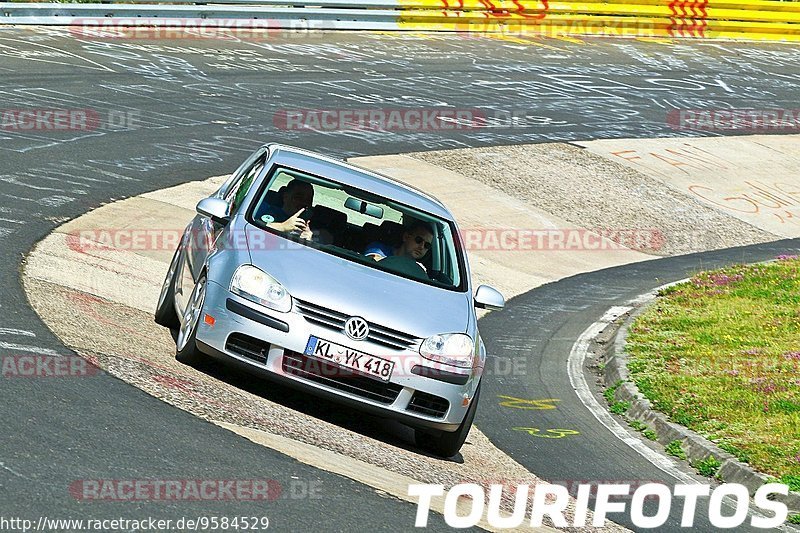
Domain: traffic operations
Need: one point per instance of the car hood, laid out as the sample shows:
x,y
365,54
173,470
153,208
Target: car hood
x,y
358,290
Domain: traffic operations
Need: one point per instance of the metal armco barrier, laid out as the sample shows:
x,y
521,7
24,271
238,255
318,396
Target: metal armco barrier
x,y
700,19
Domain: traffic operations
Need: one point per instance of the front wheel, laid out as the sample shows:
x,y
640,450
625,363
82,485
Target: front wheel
x,y
187,351
444,443
165,314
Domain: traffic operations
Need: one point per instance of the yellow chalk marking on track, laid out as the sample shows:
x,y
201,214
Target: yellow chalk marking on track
x,y
549,433
522,403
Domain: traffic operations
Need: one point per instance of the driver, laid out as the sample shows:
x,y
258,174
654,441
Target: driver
x,y
297,196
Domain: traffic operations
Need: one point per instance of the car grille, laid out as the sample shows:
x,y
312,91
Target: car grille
x,y
428,404
313,369
335,320
247,346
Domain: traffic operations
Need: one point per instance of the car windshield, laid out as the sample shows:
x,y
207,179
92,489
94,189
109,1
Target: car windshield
x,y
359,226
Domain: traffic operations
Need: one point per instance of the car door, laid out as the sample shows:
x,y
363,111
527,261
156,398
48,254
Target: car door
x,y
203,232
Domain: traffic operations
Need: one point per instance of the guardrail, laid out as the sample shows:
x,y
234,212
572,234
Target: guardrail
x,y
699,19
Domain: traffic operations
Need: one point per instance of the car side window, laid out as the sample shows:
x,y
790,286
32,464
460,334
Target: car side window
x,y
237,194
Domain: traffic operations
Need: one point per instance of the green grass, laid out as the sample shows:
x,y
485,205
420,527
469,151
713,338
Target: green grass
x,y
619,408
641,426
608,394
675,449
742,455
638,426
792,481
794,519
707,467
720,354
616,407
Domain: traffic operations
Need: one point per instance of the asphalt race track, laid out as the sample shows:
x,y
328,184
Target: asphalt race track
x,y
166,112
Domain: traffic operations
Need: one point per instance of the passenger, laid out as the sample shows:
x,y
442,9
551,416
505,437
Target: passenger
x,y
297,196
415,244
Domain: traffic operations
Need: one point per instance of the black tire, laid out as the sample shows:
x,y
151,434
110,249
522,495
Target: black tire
x,y
186,350
165,314
447,444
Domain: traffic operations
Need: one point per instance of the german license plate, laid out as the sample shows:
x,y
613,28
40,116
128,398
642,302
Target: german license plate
x,y
349,358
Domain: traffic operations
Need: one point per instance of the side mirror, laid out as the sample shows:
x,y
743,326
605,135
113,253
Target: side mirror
x,y
214,208
487,297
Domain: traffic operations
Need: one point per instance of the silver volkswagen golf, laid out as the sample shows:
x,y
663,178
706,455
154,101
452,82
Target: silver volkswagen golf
x,y
336,280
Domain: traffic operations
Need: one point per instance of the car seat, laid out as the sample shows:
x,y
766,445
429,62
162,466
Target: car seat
x,y
330,223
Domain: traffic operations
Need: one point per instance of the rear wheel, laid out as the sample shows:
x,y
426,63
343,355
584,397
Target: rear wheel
x,y
444,443
187,351
165,314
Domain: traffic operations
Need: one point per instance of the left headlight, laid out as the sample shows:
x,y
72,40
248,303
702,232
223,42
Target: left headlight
x,y
456,349
257,286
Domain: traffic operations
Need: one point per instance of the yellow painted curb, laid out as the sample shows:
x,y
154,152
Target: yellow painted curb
x,y
560,24
707,19
536,5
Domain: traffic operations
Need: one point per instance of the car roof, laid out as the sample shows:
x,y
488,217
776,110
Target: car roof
x,y
342,172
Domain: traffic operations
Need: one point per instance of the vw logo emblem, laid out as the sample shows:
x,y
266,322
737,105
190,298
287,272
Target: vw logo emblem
x,y
356,328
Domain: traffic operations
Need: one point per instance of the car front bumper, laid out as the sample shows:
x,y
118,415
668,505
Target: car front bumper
x,y
271,344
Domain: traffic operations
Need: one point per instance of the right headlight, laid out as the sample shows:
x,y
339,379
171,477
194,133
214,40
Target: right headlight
x,y
456,349
257,286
